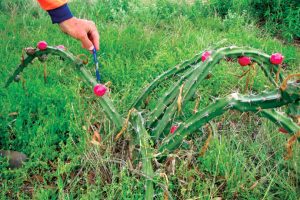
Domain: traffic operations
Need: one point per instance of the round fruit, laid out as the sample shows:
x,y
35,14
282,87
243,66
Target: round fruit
x,y
100,90
173,129
42,45
205,55
244,61
276,58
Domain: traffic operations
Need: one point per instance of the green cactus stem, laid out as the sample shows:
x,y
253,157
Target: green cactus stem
x,y
243,103
192,79
105,102
146,152
281,120
294,111
187,64
167,74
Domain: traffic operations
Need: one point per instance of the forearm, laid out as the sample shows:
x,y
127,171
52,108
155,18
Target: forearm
x,y
57,9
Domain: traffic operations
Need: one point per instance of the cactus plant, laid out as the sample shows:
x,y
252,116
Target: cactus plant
x,y
150,123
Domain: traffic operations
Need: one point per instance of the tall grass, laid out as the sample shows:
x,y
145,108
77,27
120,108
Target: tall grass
x,y
281,18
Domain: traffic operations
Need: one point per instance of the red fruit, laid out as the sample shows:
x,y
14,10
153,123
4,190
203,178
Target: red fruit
x,y
100,90
42,45
173,129
244,60
62,47
205,55
282,130
276,58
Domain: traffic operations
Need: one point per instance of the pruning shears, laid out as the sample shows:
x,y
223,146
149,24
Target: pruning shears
x,y
96,65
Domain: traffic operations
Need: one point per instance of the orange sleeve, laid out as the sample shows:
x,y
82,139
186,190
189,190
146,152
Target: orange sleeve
x,y
51,4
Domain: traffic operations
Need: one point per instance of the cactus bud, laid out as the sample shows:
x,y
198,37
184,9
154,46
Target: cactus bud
x,y
276,58
42,45
100,90
17,78
61,47
205,55
173,129
30,51
43,58
244,61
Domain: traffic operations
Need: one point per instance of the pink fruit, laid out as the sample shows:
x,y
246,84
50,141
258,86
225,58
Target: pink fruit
x,y
62,47
173,129
244,61
205,55
100,90
282,130
276,58
42,45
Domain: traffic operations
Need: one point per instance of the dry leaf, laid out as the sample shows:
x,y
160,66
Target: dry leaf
x,y
13,114
96,138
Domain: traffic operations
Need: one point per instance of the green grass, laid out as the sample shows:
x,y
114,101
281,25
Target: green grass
x,y
139,40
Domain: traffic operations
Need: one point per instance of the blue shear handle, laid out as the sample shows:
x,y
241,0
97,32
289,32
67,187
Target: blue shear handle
x,y
96,63
95,55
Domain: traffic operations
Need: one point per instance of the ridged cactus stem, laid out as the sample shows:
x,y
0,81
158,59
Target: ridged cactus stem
x,y
168,97
200,71
261,58
164,121
171,72
104,101
167,74
50,50
146,152
243,103
281,120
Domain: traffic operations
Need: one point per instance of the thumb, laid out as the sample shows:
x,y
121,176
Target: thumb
x,y
86,42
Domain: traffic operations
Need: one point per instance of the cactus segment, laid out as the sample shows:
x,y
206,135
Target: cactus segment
x,y
104,101
243,103
171,72
146,152
294,111
164,121
281,120
168,97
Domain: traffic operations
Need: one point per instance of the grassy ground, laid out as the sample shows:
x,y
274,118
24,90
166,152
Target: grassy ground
x,y
139,40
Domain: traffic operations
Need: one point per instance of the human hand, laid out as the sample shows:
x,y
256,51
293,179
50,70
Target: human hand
x,y
83,30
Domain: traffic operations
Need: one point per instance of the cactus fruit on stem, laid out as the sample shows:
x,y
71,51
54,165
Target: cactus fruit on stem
x,y
182,67
243,103
138,124
105,102
192,78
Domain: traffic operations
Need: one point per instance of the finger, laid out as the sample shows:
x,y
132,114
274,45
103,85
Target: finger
x,y
94,37
86,43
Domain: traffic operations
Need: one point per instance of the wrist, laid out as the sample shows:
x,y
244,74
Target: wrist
x,y
60,14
